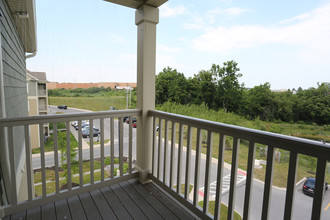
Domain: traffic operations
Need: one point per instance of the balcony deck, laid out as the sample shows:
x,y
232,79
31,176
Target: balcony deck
x,y
124,200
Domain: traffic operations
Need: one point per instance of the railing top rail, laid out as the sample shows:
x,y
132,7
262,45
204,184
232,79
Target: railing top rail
x,y
67,117
299,145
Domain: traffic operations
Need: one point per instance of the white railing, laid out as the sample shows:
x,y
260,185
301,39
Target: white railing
x,y
167,150
107,117
42,92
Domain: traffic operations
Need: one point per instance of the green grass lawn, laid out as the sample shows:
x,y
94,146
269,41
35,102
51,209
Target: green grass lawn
x,y
183,190
223,210
98,103
99,142
49,144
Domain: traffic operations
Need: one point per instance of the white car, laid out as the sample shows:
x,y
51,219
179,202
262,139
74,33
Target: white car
x,y
74,123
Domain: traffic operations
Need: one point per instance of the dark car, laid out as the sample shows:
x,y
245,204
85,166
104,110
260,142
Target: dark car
x,y
309,186
125,118
85,132
62,107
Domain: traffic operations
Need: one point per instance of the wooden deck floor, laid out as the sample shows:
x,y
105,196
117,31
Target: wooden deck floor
x,y
126,200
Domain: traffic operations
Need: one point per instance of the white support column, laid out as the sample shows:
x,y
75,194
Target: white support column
x,y
146,18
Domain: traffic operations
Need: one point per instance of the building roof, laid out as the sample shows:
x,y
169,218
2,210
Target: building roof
x,y
40,76
138,3
23,12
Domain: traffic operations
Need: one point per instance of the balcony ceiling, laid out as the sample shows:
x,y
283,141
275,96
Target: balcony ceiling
x,y
138,3
26,27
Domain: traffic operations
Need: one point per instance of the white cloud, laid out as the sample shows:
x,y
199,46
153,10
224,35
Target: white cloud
x,y
224,13
234,11
117,38
130,58
167,49
210,17
296,18
166,11
198,22
310,29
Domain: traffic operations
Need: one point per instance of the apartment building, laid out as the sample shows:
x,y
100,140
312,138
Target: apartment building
x,y
37,103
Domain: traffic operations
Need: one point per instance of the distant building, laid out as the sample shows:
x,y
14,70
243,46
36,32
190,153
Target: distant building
x,y
37,103
123,88
112,85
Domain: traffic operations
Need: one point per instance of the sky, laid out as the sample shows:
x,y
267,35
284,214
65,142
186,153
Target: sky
x,y
285,43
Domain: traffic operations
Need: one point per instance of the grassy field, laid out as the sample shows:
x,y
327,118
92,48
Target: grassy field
x,y
98,103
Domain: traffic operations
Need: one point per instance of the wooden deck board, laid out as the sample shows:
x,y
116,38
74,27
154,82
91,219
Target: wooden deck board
x,y
160,207
140,201
131,207
6,217
76,208
62,209
18,216
33,214
117,207
169,203
102,205
48,211
89,206
126,200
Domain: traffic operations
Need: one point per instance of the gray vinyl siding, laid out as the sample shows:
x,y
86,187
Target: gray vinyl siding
x,y
14,75
32,88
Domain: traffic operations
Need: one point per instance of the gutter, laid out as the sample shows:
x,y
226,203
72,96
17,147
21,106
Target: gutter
x,y
31,55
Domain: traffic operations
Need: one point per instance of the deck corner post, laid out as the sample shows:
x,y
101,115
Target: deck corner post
x,y
146,19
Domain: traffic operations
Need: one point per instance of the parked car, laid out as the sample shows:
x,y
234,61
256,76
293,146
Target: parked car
x,y
309,186
85,132
127,120
75,123
62,107
83,125
134,125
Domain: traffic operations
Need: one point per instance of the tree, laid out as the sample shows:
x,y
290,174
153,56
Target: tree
x,y
316,104
202,88
259,102
284,105
171,86
228,90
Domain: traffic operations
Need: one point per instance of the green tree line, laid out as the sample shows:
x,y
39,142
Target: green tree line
x,y
219,88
